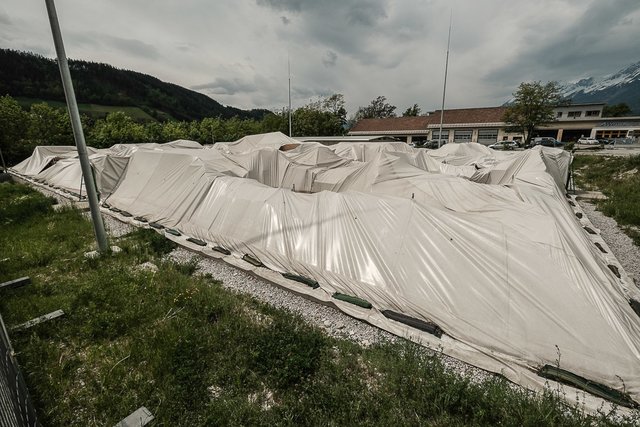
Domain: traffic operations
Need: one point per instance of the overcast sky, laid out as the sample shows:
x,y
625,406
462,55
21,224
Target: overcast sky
x,y
236,51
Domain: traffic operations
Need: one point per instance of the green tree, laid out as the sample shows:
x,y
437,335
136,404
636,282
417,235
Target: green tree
x,y
412,111
49,125
13,131
616,110
117,128
377,109
533,106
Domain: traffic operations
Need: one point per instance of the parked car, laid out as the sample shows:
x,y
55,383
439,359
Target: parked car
x,y
505,145
546,141
588,141
434,143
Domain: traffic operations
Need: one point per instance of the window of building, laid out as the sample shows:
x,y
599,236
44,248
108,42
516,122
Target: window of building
x,y
463,135
593,113
436,133
487,135
602,134
559,114
574,114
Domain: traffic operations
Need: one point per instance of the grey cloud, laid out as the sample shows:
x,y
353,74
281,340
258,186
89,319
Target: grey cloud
x,y
4,19
329,59
285,20
135,47
366,12
348,27
227,86
287,5
585,46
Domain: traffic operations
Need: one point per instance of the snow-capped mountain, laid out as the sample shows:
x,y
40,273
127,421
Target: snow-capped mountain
x,y
622,86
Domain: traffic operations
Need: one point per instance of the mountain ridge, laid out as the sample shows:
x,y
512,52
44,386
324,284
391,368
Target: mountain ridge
x,y
29,75
623,86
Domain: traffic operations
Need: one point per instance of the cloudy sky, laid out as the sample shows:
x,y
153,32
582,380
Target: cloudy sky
x,y
236,51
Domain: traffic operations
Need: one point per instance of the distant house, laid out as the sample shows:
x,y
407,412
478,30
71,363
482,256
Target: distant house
x,y
485,125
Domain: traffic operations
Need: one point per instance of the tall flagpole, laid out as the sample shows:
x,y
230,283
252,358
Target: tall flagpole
x,y
444,88
76,124
289,71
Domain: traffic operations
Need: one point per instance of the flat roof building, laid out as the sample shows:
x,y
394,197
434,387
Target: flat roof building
x,y
486,126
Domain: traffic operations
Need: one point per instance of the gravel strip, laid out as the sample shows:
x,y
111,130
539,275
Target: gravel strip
x,y
627,253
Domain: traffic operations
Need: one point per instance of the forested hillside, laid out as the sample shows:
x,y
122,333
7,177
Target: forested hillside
x,y
28,76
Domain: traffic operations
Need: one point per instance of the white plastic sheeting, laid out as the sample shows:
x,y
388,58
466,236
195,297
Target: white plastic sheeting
x,y
481,243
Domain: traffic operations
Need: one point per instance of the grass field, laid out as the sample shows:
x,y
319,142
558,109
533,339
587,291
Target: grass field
x,y
619,179
197,354
93,110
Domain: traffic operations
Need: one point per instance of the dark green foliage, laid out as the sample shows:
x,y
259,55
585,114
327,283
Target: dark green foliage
x,y
287,352
19,203
616,110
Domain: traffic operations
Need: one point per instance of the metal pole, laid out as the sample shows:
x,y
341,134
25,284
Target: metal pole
x,y
444,89
289,68
76,124
4,166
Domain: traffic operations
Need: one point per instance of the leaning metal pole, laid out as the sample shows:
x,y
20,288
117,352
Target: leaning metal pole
x,y
76,124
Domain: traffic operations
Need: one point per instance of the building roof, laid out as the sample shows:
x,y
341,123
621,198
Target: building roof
x,y
471,116
401,124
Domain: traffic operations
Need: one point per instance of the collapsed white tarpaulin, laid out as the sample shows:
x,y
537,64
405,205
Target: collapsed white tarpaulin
x,y
484,245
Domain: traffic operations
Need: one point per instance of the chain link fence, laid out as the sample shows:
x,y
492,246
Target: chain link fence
x,y
16,408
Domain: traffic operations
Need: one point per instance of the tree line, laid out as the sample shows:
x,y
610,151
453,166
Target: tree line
x,y
23,129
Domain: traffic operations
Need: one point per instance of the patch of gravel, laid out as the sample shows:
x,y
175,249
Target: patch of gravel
x,y
627,253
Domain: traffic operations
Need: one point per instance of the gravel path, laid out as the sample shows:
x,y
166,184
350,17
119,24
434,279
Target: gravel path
x,y
627,253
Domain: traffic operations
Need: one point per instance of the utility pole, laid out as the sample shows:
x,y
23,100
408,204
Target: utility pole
x,y
444,88
76,124
289,68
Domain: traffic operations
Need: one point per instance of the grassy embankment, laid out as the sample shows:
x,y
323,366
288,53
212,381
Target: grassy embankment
x,y
197,354
618,178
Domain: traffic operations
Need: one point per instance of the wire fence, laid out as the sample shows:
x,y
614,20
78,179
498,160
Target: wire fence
x,y
16,408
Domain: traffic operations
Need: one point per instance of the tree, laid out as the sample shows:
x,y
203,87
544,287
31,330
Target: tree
x,y
533,105
377,109
13,130
412,111
616,110
117,128
49,125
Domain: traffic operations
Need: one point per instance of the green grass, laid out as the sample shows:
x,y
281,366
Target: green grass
x,y
619,179
197,354
93,110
